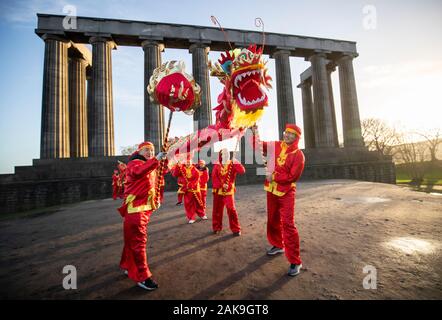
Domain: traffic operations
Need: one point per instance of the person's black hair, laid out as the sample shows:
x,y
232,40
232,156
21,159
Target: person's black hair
x,y
137,156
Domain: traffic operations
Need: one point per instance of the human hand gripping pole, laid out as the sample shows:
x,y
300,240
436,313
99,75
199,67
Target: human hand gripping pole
x,y
161,156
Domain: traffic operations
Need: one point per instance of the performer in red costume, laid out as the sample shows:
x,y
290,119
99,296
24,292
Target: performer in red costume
x,y
223,188
204,178
138,205
192,196
115,184
284,167
122,174
180,193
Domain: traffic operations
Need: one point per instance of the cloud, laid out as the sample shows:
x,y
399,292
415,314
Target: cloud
x,y
403,94
400,74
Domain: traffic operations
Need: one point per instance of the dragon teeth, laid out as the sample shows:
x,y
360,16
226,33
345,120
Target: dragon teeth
x,y
249,103
238,78
245,74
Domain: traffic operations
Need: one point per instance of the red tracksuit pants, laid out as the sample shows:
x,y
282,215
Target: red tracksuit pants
x,y
203,199
219,202
162,194
180,197
134,258
192,206
281,228
120,192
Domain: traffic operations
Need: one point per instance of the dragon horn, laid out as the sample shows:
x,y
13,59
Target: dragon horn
x,y
260,23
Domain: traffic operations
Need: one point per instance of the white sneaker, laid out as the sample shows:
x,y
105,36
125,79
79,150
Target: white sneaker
x,y
191,221
294,269
204,217
274,250
148,284
126,272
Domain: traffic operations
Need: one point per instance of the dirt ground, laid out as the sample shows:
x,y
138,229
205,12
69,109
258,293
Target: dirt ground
x,y
344,226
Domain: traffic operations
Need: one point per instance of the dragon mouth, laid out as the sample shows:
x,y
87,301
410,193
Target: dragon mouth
x,y
247,89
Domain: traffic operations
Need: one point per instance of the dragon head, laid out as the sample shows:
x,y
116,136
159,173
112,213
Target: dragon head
x,y
244,75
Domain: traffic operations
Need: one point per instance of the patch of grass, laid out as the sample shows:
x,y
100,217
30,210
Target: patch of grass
x,y
433,173
424,182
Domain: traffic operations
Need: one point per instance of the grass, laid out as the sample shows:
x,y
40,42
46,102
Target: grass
x,y
433,175
425,182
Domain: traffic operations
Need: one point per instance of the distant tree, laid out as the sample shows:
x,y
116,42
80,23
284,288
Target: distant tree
x,y
412,155
433,139
378,136
128,150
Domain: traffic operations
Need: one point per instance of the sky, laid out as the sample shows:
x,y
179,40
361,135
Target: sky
x,y
398,71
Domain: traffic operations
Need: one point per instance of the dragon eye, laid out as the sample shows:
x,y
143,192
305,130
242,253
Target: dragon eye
x,y
226,66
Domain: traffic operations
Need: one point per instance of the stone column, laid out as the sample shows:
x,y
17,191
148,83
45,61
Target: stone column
x,y
351,123
330,68
286,107
203,114
154,126
77,107
307,112
90,126
54,141
102,113
323,119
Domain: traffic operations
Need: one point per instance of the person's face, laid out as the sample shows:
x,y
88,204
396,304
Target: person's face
x,y
201,164
288,137
224,155
148,153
